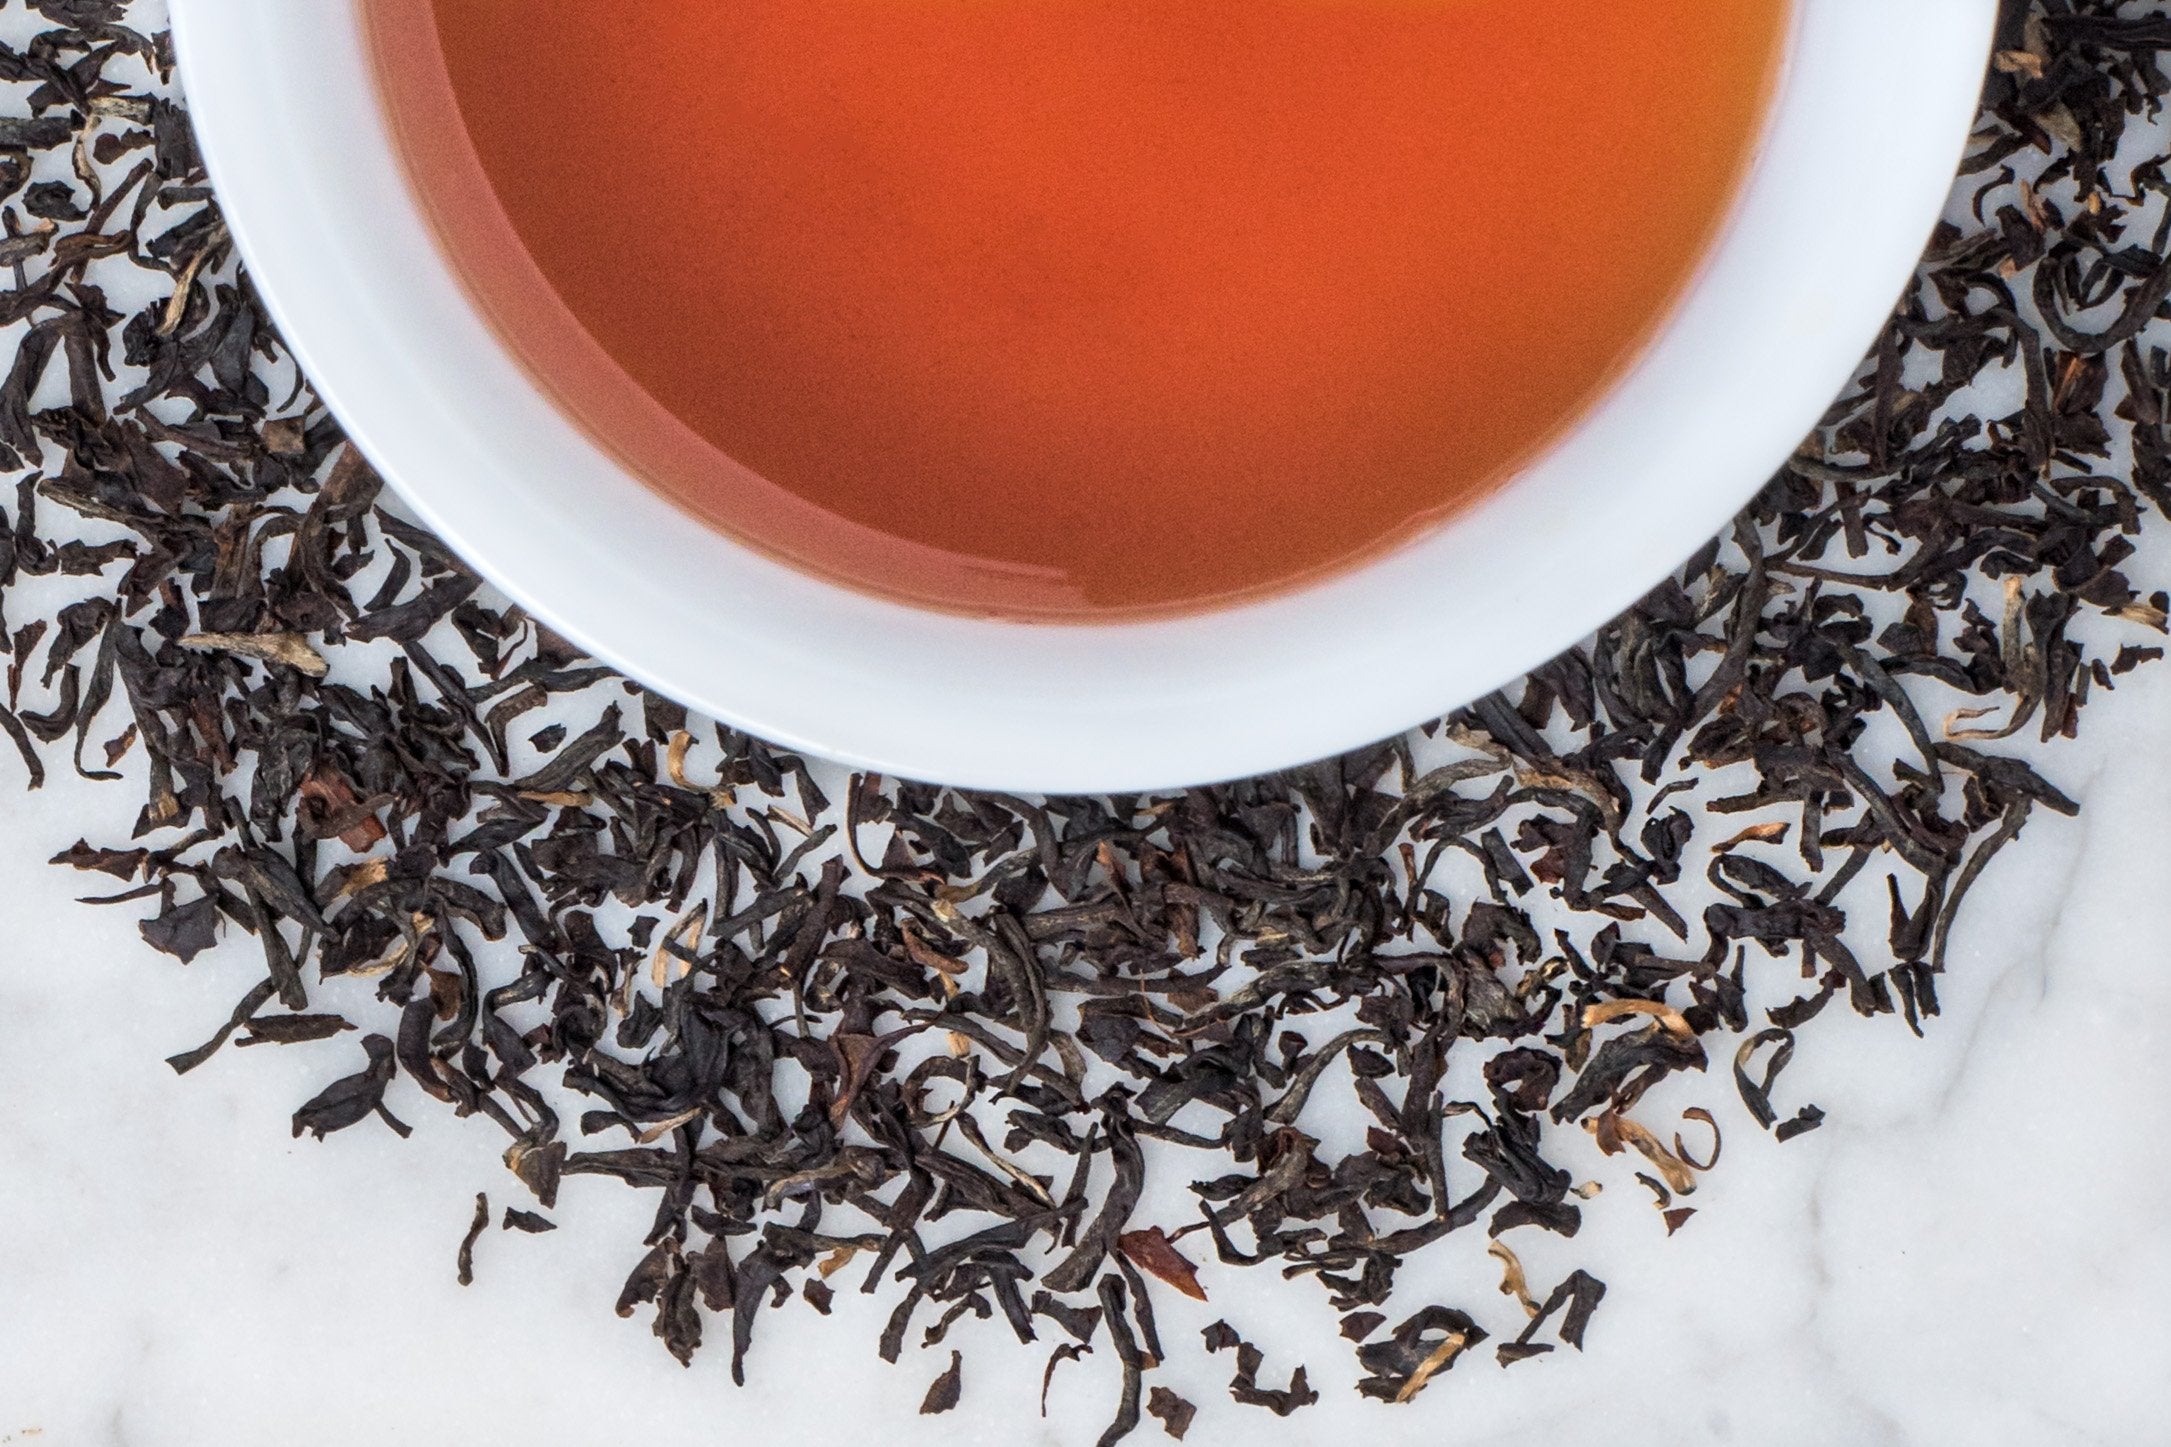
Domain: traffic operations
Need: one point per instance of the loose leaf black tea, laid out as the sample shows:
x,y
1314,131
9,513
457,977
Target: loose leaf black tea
x,y
1172,1411
942,1394
475,1228
857,1034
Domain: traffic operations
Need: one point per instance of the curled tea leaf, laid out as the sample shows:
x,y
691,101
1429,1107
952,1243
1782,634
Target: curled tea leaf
x,y
1718,1141
1668,1018
475,1228
1512,1281
1613,1131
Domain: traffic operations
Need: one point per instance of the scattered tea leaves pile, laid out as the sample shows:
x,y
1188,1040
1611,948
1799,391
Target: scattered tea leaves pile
x,y
864,1033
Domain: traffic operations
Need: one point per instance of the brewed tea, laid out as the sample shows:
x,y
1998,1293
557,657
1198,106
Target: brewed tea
x,y
1077,307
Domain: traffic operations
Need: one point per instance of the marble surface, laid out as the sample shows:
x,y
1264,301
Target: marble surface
x,y
1972,1250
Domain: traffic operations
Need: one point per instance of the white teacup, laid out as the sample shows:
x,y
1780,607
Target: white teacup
x,y
1869,120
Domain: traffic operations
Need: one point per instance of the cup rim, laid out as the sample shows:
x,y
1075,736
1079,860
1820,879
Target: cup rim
x,y
1866,128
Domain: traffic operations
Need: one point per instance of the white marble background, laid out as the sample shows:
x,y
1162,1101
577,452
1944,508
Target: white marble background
x,y
1973,1250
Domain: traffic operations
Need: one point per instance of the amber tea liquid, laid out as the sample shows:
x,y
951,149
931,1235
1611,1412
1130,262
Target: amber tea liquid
x,y
1076,308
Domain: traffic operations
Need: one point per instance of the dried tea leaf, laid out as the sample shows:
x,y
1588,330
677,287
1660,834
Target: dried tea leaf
x,y
290,649
1360,1324
1613,1131
1152,1251
475,1228
1064,1352
1512,1281
120,863
942,1393
184,930
292,1029
1808,1118
1424,1345
1718,1140
1244,1388
353,1098
1670,1019
1172,1411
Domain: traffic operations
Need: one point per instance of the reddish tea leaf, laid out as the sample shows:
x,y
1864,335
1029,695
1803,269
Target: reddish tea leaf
x,y
1151,1250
